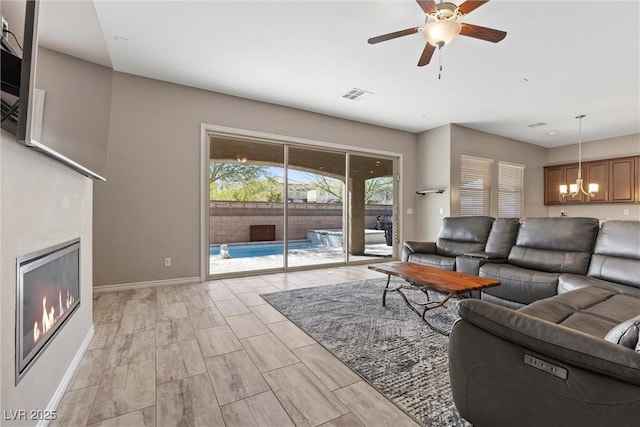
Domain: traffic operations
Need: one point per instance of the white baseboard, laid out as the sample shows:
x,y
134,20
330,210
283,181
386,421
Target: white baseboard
x,y
150,284
68,376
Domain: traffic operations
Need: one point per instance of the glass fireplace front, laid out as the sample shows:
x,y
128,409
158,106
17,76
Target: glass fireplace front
x,y
48,292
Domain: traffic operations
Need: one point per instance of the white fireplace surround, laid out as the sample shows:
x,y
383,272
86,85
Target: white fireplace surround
x,y
43,203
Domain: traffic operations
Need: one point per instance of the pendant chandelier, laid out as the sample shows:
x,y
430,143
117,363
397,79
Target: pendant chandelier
x,y
578,188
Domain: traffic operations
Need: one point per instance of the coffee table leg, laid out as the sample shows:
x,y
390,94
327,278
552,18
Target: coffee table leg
x,y
386,288
437,305
431,307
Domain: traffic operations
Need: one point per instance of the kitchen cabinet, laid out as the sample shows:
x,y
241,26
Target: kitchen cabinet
x,y
623,180
553,177
597,173
618,180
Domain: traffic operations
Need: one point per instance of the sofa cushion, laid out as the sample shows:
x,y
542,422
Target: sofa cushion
x,y
463,234
593,310
502,236
614,269
626,334
568,234
518,284
558,245
616,254
570,282
549,260
619,239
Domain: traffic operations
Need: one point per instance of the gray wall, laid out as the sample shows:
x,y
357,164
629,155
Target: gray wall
x,y
622,146
481,144
149,208
433,170
438,157
42,203
77,107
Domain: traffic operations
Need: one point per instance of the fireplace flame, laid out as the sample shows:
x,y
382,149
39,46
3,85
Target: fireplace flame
x,y
49,316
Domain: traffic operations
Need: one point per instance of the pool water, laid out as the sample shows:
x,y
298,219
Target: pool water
x,y
245,250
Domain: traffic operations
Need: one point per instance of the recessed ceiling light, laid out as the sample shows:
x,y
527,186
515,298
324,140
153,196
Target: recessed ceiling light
x,y
552,133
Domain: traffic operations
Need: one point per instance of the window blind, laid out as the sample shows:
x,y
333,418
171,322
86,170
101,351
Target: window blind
x,y
475,185
510,190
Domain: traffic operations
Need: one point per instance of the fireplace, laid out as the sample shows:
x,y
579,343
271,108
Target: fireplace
x,y
48,293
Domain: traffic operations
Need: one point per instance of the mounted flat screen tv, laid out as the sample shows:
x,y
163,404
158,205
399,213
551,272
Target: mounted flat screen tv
x,y
17,66
50,106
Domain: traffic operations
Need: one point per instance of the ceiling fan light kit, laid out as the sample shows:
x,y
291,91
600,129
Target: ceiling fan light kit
x,y
442,26
439,33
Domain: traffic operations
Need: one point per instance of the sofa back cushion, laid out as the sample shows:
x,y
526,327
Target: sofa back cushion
x,y
555,245
502,236
616,255
459,235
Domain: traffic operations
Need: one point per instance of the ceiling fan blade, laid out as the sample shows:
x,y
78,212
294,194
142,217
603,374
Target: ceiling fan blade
x,y
427,53
385,37
471,5
429,6
482,33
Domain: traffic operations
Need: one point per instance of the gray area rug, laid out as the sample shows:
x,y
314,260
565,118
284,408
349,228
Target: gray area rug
x,y
390,347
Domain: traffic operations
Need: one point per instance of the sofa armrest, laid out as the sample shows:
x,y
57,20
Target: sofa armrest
x,y
409,248
471,262
487,255
562,343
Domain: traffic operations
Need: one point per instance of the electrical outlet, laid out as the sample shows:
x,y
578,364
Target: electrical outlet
x,y
167,262
625,212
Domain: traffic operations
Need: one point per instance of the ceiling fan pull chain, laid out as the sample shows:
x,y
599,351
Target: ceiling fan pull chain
x,y
440,62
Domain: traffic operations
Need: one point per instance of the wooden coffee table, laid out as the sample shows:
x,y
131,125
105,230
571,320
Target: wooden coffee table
x,y
422,278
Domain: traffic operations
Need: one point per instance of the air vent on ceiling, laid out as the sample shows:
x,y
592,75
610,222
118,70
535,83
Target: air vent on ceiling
x,y
356,94
535,125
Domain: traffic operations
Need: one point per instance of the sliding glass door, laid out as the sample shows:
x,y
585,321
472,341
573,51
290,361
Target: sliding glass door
x,y
315,185
276,205
371,191
246,205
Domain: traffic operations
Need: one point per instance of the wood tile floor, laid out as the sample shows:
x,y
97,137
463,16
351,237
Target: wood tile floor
x,y
216,354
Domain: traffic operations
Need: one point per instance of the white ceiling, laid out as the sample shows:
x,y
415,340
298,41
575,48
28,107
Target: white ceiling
x,y
559,59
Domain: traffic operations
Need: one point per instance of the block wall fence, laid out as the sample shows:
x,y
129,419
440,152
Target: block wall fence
x,y
230,221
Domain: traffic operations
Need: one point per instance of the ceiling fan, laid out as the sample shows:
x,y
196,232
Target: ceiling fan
x,y
442,25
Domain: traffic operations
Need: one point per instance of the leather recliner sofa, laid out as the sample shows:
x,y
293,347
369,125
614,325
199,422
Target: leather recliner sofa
x,y
572,358
458,235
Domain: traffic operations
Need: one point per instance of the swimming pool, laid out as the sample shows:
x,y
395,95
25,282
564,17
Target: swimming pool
x,y
245,250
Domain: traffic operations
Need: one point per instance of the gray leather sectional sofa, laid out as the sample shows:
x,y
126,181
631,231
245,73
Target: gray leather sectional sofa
x,y
557,343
